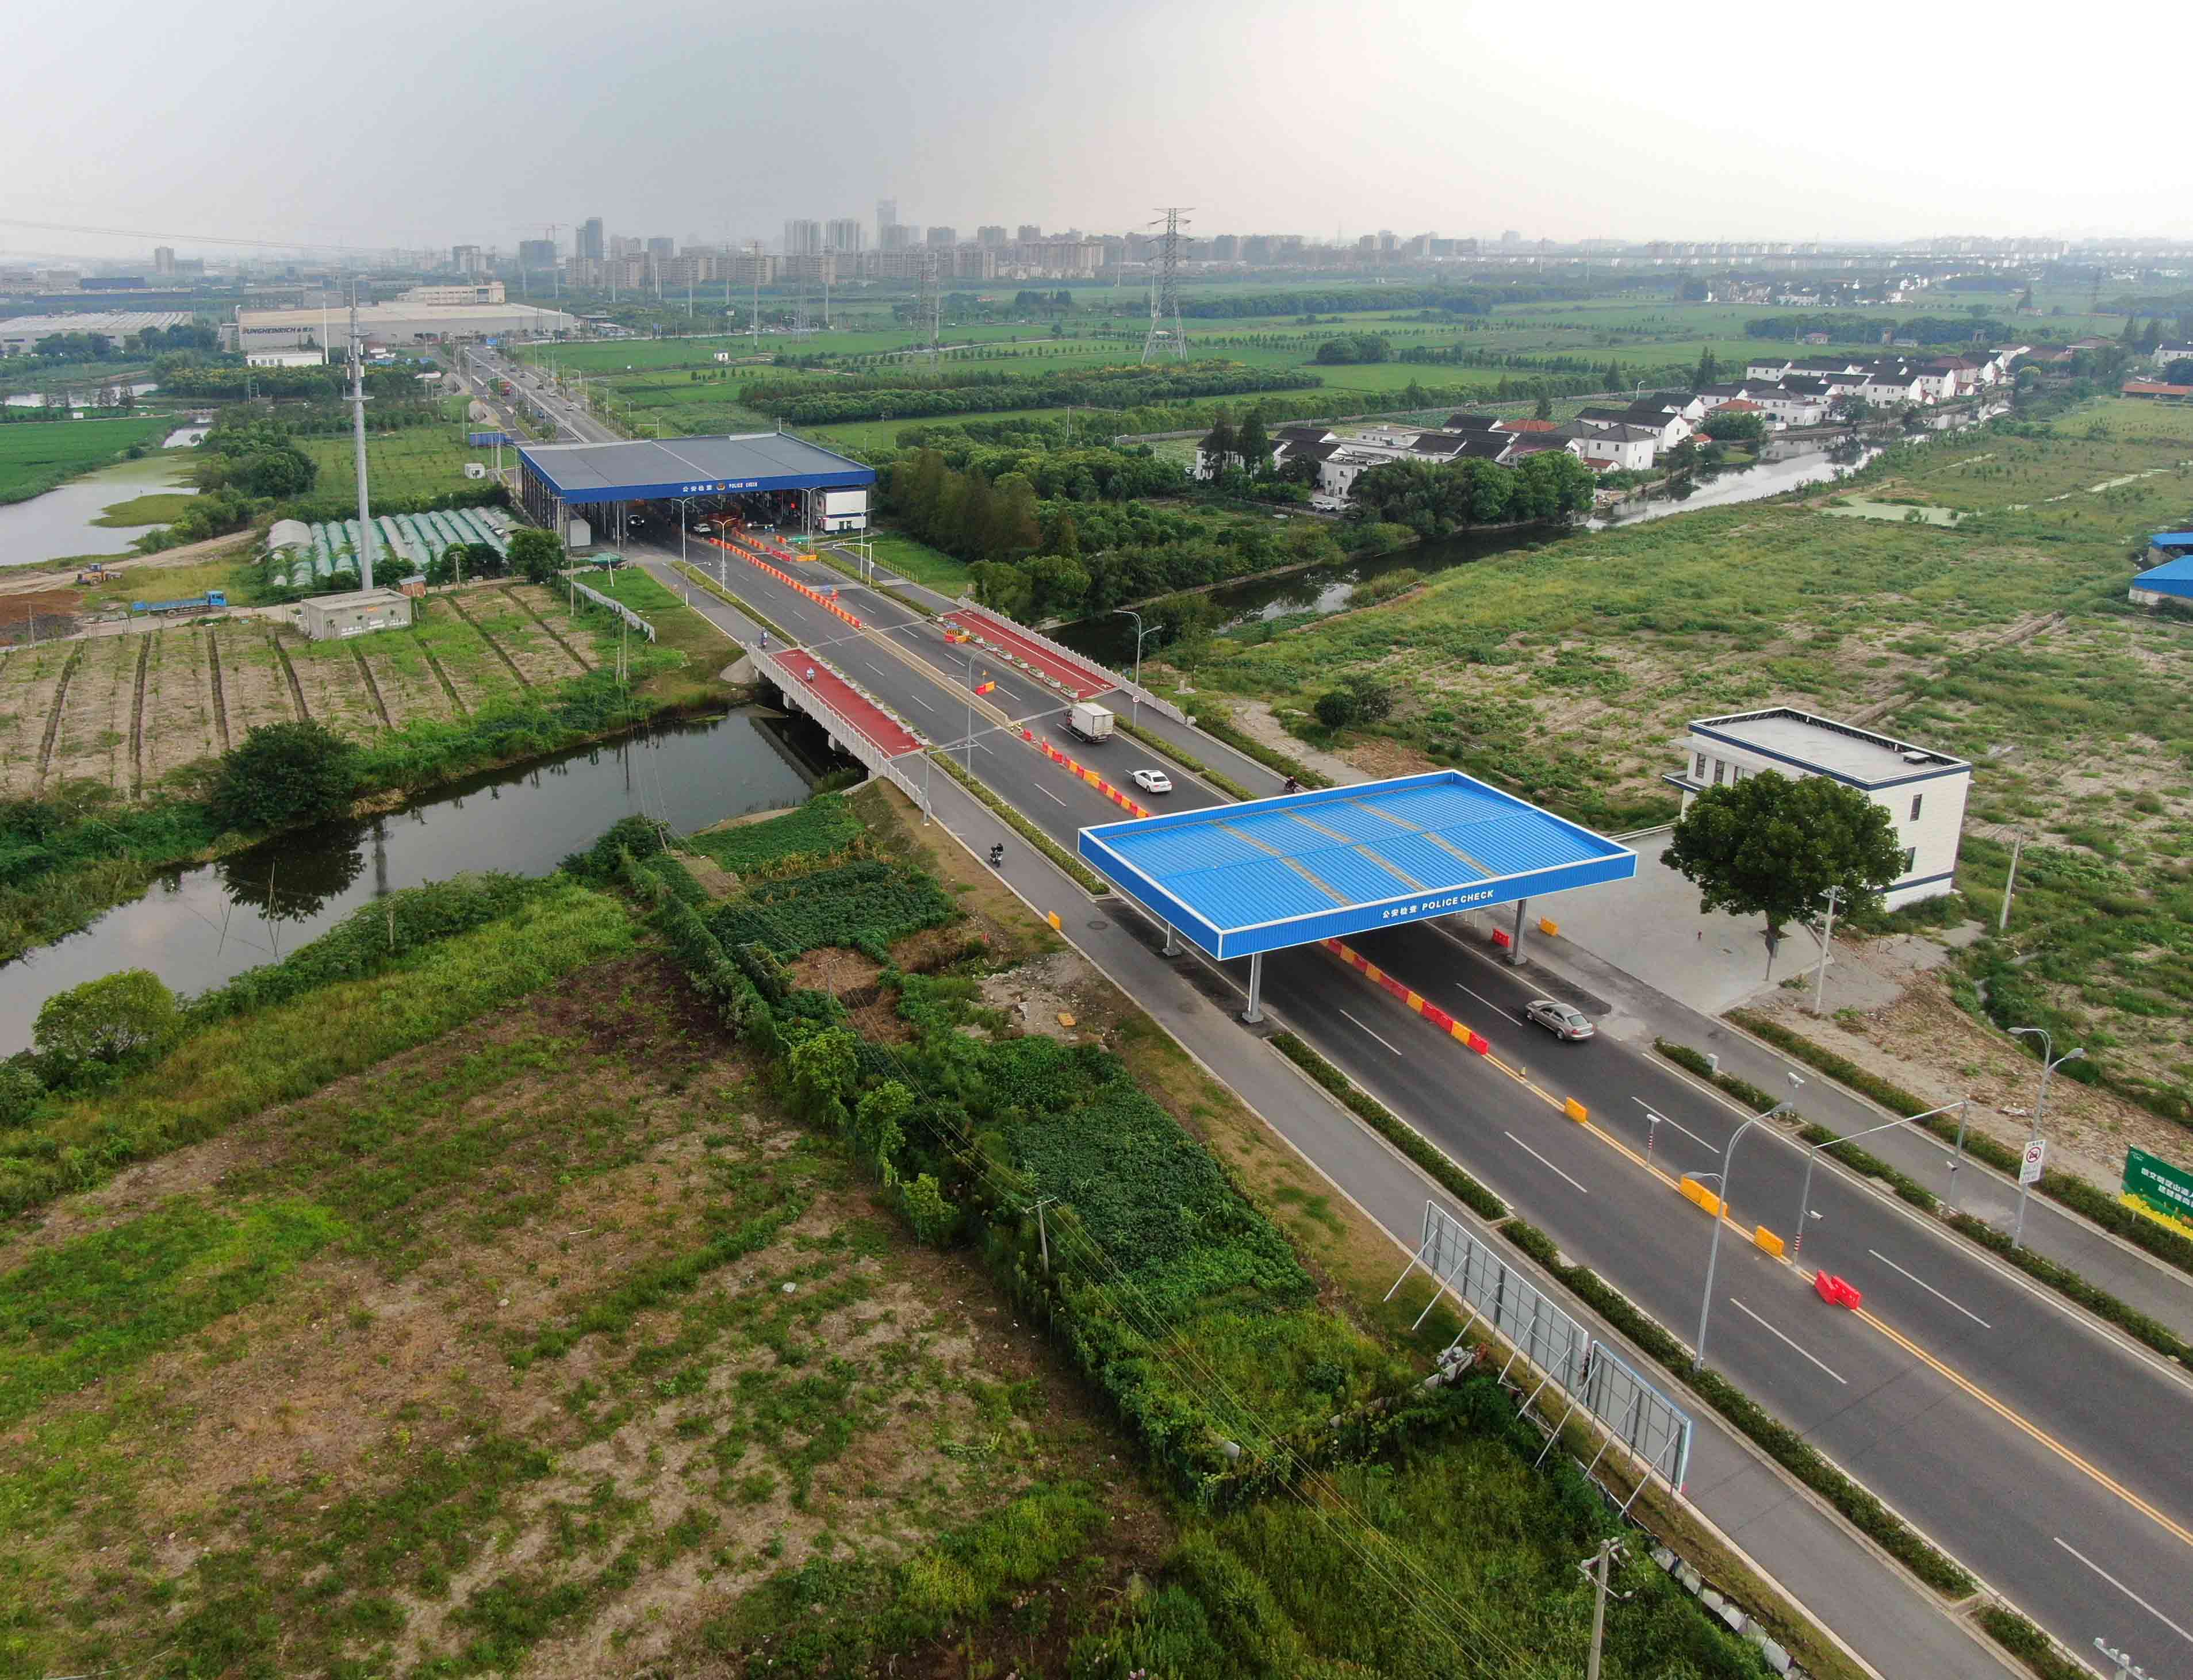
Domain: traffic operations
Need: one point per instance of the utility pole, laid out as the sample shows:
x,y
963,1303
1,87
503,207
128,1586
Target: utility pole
x,y
2010,881
1833,895
358,445
1043,1230
1595,1569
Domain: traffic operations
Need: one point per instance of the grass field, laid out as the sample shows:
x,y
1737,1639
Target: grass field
x,y
1566,673
419,462
35,456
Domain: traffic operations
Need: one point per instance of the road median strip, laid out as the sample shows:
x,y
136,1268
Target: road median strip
x,y
2170,1246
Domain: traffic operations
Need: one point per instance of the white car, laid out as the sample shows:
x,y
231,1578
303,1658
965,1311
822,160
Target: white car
x,y
1154,781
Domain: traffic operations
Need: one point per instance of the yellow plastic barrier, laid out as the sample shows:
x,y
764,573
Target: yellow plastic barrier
x,y
1576,1110
1057,926
1768,1241
1698,1193
1548,927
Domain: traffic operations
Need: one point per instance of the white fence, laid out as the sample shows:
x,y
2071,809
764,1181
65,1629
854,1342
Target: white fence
x,y
622,611
1591,1376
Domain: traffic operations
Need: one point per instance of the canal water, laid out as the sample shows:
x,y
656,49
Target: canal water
x,y
202,925
1328,589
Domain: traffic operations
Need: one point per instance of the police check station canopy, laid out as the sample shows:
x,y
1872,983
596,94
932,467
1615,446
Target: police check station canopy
x,y
1270,873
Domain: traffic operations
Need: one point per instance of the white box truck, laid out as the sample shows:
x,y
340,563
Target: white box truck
x,y
1093,723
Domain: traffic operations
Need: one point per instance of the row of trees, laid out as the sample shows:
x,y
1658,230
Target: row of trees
x,y
889,397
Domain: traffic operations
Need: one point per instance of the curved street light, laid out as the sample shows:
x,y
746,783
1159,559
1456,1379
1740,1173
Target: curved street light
x,y
2049,1064
1713,1253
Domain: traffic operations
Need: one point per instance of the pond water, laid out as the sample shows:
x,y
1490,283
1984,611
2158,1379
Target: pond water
x,y
59,523
202,925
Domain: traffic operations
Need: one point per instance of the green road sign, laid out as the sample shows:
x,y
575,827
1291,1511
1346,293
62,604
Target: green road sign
x,y
2160,1186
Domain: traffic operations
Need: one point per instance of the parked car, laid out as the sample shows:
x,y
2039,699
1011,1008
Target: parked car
x,y
1154,781
1564,1021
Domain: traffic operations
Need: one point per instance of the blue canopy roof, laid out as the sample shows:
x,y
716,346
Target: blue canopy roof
x,y
1239,879
2171,540
650,470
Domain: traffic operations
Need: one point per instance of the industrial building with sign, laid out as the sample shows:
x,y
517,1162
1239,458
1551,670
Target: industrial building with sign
x,y
1241,880
651,488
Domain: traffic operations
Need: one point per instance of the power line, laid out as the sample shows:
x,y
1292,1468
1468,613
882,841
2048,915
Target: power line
x,y
209,239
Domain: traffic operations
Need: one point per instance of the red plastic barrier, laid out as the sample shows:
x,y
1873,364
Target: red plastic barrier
x,y
1500,938
1835,1292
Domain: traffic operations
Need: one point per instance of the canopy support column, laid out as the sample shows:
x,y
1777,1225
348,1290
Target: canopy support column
x,y
1171,944
1515,939
1254,1015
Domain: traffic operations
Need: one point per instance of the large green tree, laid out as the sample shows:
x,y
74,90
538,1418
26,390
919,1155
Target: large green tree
x,y
284,773
535,556
1768,846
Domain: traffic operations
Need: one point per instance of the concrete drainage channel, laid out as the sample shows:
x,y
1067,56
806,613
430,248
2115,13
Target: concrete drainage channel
x,y
1727,1609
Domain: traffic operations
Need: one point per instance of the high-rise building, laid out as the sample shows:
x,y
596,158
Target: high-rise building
x,y
468,260
943,238
1388,241
164,259
660,249
1226,247
895,236
590,246
627,245
1511,237
886,219
842,234
537,256
802,238
1029,231
990,237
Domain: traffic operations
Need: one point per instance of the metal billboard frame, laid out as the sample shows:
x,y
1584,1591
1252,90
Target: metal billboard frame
x,y
1590,1374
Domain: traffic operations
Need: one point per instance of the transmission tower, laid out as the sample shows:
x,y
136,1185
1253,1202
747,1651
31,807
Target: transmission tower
x,y
1165,291
929,306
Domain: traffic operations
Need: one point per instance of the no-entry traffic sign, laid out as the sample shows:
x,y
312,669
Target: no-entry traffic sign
x,y
2028,1169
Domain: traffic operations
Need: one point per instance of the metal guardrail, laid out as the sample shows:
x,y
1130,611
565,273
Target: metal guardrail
x,y
1591,1376
622,611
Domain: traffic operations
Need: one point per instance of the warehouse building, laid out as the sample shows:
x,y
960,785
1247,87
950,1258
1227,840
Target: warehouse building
x,y
402,322
19,334
1922,790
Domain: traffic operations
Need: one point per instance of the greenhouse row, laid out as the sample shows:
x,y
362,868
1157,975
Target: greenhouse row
x,y
306,555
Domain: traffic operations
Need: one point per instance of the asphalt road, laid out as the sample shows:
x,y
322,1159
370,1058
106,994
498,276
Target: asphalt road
x,y
2042,1452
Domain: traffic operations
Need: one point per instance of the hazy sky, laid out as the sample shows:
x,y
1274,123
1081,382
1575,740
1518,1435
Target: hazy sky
x,y
418,123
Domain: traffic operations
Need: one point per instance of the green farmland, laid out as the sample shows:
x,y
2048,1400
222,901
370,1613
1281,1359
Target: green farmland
x,y
35,456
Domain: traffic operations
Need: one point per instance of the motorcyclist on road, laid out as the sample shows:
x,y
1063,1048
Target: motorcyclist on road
x,y
997,855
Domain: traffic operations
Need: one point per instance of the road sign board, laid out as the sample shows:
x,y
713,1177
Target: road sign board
x,y
2158,1186
2028,1169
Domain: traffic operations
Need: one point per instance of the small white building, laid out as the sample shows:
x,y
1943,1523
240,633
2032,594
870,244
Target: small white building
x,y
330,618
1923,791
1629,449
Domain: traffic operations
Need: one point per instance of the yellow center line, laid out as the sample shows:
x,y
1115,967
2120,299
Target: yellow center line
x,y
2093,1472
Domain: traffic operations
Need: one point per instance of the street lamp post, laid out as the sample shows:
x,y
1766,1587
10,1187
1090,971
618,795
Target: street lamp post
x,y
1812,1154
1713,1253
2049,1064
1135,692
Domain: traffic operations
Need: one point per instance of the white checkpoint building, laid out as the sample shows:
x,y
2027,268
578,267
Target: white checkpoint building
x,y
1923,791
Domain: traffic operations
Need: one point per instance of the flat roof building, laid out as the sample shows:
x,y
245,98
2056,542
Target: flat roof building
x,y
401,322
1923,791
330,618
20,334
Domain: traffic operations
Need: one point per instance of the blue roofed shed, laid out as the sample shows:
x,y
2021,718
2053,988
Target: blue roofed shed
x,y
2172,580
1243,879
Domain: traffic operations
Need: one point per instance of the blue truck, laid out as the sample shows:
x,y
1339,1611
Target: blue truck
x,y
189,603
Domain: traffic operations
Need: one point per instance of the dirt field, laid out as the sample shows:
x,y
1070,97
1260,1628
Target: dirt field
x,y
496,642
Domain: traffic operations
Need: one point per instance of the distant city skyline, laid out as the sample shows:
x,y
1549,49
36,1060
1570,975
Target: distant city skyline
x,y
1062,117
